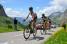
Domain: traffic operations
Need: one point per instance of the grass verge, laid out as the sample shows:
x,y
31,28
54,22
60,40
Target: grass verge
x,y
58,38
6,29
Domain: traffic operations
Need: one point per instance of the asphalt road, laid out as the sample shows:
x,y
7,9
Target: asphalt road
x,y
17,37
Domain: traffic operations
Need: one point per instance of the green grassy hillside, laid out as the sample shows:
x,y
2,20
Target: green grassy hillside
x,y
6,24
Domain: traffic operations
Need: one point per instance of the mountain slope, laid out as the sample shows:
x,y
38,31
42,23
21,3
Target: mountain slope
x,y
56,17
6,23
2,12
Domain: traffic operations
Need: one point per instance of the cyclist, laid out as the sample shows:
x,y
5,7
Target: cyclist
x,y
15,24
64,25
44,18
34,17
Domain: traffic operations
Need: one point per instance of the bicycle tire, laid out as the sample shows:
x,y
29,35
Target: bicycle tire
x,y
25,35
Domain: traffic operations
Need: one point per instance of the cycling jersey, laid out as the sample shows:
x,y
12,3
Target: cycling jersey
x,y
34,16
44,18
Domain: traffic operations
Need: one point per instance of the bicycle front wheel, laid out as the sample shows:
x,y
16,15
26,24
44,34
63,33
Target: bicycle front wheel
x,y
26,33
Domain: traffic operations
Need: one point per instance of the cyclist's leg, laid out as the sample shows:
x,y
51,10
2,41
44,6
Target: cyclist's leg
x,y
44,25
31,24
34,23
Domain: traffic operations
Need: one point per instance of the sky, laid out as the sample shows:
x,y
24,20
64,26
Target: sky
x,y
19,8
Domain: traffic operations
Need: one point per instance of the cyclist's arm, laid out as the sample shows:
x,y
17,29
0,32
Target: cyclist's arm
x,y
28,16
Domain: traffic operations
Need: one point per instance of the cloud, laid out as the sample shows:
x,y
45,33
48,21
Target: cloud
x,y
55,5
2,1
59,2
14,13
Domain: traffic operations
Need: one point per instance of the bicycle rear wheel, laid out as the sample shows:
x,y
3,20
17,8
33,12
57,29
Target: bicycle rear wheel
x,y
34,32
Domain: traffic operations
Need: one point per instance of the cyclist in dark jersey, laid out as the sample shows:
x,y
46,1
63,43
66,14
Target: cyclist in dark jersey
x,y
34,17
44,18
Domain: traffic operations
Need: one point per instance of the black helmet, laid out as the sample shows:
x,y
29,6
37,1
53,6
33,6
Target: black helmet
x,y
43,14
30,8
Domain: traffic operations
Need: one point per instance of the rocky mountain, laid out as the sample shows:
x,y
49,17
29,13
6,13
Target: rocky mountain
x,y
2,12
56,17
6,22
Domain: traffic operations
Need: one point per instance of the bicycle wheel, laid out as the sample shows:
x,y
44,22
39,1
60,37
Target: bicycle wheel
x,y
26,33
34,32
42,32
